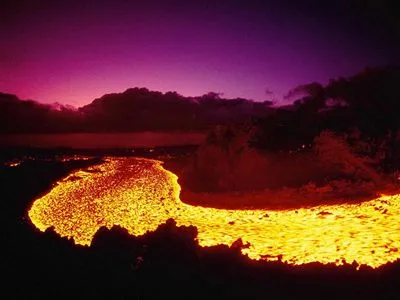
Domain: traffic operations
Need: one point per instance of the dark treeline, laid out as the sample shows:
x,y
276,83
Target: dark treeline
x,y
368,101
136,109
365,105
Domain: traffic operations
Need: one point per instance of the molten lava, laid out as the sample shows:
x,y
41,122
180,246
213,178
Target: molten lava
x,y
139,195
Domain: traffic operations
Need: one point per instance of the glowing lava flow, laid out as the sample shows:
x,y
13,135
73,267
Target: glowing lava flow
x,y
139,195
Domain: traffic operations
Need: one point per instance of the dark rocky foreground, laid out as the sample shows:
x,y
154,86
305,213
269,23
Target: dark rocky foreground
x,y
161,265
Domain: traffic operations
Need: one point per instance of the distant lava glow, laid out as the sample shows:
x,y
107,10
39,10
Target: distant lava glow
x,y
139,195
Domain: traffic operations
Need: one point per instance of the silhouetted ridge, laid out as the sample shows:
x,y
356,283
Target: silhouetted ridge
x,y
136,109
368,101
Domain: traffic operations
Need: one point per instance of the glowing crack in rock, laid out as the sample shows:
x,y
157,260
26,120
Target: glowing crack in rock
x,y
139,195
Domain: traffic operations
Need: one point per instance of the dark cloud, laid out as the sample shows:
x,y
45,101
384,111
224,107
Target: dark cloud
x,y
268,92
303,90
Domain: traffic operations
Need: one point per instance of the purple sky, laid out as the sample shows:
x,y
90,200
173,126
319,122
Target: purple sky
x,y
70,52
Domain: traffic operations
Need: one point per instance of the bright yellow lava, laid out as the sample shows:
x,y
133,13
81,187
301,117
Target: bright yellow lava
x,y
139,195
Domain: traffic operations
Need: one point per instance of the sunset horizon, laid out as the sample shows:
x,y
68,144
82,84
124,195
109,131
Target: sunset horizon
x,y
71,53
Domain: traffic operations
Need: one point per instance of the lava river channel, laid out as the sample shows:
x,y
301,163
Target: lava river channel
x,y
139,194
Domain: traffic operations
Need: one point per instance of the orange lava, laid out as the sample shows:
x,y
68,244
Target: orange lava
x,y
139,195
